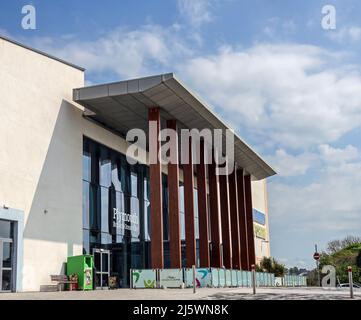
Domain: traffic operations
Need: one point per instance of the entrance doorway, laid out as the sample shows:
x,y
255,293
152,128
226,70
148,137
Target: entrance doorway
x,y
7,259
102,268
6,265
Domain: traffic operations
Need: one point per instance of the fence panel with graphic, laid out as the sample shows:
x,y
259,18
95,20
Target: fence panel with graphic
x,y
171,278
205,277
144,278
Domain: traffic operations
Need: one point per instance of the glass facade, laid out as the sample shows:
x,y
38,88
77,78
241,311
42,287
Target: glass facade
x,y
116,210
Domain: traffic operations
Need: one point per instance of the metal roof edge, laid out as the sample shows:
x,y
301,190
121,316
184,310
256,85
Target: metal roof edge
x,y
41,52
268,168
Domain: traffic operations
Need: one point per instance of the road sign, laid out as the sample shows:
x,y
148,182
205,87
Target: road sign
x,y
316,256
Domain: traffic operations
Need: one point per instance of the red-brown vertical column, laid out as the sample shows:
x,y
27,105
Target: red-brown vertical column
x,y
242,220
249,220
173,189
155,177
225,221
233,208
216,260
188,178
202,211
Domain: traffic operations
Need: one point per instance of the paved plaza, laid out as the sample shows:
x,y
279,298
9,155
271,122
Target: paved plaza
x,y
187,294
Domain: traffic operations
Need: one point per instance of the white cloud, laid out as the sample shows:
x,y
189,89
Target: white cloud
x,y
291,95
127,53
325,158
288,165
197,12
286,95
338,155
346,34
277,28
330,202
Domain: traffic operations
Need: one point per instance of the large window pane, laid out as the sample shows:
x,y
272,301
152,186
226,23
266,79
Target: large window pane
x,y
86,242
125,176
116,182
6,280
6,229
182,223
7,255
86,204
105,167
94,207
104,193
181,198
86,160
94,150
134,184
94,239
120,207
146,220
146,184
134,206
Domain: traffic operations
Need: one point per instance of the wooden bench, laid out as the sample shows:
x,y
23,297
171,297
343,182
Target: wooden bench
x,y
61,279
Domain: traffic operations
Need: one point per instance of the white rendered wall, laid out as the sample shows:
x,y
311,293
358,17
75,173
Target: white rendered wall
x,y
40,158
259,202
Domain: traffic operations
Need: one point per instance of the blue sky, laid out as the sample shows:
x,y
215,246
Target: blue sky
x,y
290,88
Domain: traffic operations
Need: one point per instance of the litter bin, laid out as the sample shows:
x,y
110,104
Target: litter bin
x,y
82,266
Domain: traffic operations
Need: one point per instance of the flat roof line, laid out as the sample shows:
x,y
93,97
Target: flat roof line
x,y
41,52
163,90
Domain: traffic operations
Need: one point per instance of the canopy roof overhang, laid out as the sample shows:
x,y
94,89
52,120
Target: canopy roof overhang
x,y
123,105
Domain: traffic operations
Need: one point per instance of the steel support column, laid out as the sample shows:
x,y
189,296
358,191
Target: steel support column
x,y
242,220
188,178
225,221
249,220
173,194
204,261
233,208
155,177
216,260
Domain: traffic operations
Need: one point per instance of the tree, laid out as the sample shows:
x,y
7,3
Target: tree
x,y
358,259
271,265
341,254
266,264
337,245
294,271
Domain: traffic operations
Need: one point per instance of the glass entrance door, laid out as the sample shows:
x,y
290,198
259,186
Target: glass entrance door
x,y
102,268
6,265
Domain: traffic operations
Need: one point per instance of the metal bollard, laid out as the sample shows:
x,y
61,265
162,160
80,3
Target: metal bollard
x,y
350,281
254,278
